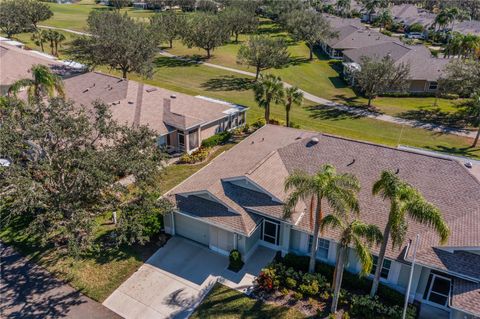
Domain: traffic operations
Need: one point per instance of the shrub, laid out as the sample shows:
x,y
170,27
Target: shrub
x,y
299,263
267,279
217,139
345,315
387,33
416,27
198,156
284,291
290,283
366,307
297,295
294,125
310,289
246,128
258,123
236,262
276,122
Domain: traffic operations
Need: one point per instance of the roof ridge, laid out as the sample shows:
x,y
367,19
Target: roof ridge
x,y
260,162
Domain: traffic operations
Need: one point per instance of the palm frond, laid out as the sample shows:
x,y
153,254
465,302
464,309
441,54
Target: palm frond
x,y
18,85
364,256
426,213
371,233
332,221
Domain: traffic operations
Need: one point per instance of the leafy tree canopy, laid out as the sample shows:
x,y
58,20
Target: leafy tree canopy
x,y
461,77
65,166
117,41
167,26
18,16
240,20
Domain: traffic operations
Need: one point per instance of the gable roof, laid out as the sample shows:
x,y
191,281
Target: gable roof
x,y
410,14
423,66
269,155
135,103
352,37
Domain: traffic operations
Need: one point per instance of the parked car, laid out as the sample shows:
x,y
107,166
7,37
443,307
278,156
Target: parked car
x,y
415,35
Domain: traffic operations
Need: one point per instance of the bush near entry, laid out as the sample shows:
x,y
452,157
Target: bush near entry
x,y
217,139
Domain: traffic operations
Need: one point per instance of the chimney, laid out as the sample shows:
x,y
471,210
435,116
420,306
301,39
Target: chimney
x,y
166,105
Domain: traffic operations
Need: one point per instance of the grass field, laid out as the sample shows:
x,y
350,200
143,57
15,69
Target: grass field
x,y
197,79
225,303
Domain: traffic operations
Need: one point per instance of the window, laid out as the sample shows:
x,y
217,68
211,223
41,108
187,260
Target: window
x,y
193,139
433,86
271,231
385,269
322,247
438,289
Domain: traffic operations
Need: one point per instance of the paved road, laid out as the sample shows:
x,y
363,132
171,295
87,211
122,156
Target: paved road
x,y
353,110
29,291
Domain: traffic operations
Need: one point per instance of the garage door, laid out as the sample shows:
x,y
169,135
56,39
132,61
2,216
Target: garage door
x,y
192,229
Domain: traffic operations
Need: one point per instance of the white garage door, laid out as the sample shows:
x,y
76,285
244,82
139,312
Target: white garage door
x,y
221,240
192,229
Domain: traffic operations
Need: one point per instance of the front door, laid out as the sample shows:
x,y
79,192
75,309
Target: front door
x,y
439,290
271,232
181,141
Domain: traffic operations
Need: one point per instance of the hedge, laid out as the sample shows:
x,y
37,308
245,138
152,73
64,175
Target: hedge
x,y
217,139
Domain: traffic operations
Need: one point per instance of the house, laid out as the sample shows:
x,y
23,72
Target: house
x,y
351,36
408,14
236,202
181,121
17,62
425,69
468,27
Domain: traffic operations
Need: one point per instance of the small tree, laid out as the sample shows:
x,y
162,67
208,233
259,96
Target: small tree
x,y
384,19
263,52
35,11
461,77
371,6
353,233
205,31
117,41
119,4
39,38
309,26
55,38
206,6
240,20
12,18
293,95
343,7
268,90
168,26
379,76
326,186
474,112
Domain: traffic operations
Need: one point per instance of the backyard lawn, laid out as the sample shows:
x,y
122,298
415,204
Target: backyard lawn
x,y
223,302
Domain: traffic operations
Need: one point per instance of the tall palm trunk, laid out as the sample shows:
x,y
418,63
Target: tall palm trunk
x,y
475,142
287,113
338,274
316,231
381,257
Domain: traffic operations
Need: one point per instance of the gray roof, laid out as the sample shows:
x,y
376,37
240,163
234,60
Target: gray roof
x,y
467,27
409,14
423,65
269,155
136,103
352,37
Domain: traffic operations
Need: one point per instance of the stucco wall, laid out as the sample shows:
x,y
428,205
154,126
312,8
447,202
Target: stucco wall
x,y
418,86
209,130
249,242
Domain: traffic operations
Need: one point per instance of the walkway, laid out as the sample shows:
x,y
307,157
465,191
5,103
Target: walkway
x,y
177,277
29,291
353,110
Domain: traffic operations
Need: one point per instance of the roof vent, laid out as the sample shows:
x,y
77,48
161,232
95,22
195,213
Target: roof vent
x,y
130,102
468,164
173,96
151,90
397,171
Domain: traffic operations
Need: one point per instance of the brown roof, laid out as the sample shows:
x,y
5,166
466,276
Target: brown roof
x,y
15,63
352,37
134,103
423,65
466,296
269,155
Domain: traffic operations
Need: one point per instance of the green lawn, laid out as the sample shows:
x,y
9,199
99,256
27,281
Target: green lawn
x,y
197,79
74,16
223,302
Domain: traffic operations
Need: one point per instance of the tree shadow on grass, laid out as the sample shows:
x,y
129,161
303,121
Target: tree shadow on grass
x,y
436,116
228,83
325,112
166,62
461,151
297,60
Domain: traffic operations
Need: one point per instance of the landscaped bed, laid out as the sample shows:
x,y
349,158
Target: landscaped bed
x,y
285,282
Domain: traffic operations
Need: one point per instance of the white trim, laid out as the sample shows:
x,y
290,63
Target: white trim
x,y
218,250
426,300
276,238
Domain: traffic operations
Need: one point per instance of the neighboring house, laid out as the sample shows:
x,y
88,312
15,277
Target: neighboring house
x,y
408,14
182,121
236,202
468,27
425,69
352,36
15,64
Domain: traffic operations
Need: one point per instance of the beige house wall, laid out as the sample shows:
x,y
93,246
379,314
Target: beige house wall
x,y
418,86
210,129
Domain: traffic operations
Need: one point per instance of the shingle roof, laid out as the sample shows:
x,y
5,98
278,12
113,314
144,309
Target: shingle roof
x,y
466,27
466,296
410,14
423,66
269,155
16,63
352,37
134,103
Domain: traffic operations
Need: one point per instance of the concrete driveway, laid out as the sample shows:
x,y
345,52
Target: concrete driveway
x,y
170,284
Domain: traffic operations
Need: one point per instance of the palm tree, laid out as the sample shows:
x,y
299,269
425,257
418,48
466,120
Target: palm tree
x,y
442,20
357,234
343,6
476,114
268,89
293,95
336,190
39,38
405,201
43,82
371,6
55,39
